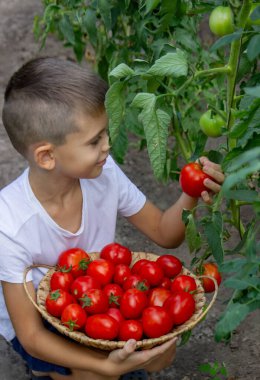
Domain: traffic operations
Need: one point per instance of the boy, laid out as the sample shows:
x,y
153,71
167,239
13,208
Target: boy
x,y
69,197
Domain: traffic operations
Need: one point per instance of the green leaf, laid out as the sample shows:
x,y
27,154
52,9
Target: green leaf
x,y
253,48
171,64
156,123
226,40
115,107
232,317
151,5
104,7
67,29
235,283
121,71
89,21
120,145
213,232
191,234
253,91
243,195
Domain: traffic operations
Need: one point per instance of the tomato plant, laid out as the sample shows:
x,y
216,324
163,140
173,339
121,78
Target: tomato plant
x,y
156,321
102,326
117,253
74,317
211,124
165,69
192,179
75,259
221,21
210,269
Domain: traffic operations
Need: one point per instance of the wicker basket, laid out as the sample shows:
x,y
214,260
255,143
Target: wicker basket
x,y
199,314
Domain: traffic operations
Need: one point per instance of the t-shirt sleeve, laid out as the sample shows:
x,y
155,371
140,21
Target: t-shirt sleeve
x,y
131,199
13,261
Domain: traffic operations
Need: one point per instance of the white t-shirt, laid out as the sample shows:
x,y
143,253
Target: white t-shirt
x,y
28,235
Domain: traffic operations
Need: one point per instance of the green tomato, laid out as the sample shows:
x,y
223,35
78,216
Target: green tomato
x,y
221,21
211,125
250,21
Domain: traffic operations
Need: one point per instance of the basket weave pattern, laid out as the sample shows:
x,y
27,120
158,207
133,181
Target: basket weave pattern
x,y
82,338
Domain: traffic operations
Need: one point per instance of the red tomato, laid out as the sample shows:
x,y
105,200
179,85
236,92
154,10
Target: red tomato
x,y
102,326
158,296
57,300
116,313
81,284
132,303
137,265
114,293
61,280
130,329
151,272
76,259
183,282
74,317
102,270
116,253
192,178
122,271
170,265
156,321
95,301
180,306
166,283
210,269
136,281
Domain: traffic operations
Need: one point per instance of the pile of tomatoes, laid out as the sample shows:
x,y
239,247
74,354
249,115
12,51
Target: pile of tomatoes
x,y
107,298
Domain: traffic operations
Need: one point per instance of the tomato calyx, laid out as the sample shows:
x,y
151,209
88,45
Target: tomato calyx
x,y
64,269
72,325
55,295
141,286
113,299
86,301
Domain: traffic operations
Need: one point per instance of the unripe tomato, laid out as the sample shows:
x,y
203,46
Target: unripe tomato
x,y
211,124
221,21
192,178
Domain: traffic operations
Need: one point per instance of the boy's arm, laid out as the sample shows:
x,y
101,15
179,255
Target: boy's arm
x,y
43,344
166,228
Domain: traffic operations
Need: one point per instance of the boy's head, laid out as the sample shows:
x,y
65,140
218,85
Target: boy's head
x,y
43,98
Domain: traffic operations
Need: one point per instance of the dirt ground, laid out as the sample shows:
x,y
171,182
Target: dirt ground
x,y
241,355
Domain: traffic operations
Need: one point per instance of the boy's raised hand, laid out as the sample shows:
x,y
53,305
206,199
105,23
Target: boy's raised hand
x,y
127,359
215,172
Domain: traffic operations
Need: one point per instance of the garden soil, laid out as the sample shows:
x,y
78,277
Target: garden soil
x,y
241,355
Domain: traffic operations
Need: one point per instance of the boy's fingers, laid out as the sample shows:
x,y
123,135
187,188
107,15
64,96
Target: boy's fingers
x,y
216,174
123,353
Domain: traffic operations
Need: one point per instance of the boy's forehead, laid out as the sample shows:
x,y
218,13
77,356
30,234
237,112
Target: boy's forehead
x,y
98,121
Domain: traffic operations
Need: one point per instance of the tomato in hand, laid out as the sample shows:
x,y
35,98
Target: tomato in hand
x,y
210,269
211,125
122,271
221,21
156,321
116,253
57,300
61,279
74,317
130,329
151,272
180,306
81,284
132,304
170,265
192,178
114,293
158,296
183,282
75,259
95,301
102,270
102,326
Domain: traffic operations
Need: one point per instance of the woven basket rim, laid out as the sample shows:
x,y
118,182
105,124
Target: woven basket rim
x,y
82,338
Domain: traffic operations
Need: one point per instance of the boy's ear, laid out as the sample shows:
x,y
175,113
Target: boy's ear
x,y
44,157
